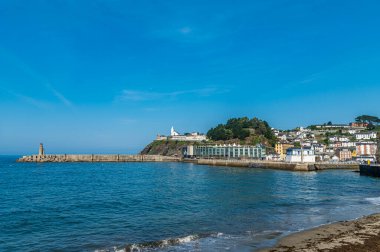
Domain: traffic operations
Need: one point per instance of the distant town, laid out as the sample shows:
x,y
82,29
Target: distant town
x,y
352,142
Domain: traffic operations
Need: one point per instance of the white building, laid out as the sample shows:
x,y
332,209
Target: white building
x,y
194,136
338,138
365,135
320,148
349,144
298,155
282,136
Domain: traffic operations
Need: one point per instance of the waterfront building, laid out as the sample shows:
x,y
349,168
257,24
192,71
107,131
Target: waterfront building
x,y
298,155
230,151
365,159
344,154
366,148
280,149
365,135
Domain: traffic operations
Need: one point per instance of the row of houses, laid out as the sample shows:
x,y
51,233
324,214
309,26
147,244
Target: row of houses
x,y
226,151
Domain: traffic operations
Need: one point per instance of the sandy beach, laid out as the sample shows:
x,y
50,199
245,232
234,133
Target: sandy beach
x,y
358,235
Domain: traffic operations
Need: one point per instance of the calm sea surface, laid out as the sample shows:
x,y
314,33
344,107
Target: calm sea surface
x,y
169,206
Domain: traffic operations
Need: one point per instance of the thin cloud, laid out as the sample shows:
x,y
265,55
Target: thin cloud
x,y
185,34
21,65
185,30
134,95
60,96
311,78
30,100
128,121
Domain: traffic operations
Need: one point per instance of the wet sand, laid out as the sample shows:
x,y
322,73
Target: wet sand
x,y
358,235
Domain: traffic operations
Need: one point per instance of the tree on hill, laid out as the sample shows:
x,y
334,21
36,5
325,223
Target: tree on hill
x,y
220,133
368,119
242,128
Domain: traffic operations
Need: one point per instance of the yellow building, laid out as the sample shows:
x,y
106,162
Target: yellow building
x,y
353,153
280,149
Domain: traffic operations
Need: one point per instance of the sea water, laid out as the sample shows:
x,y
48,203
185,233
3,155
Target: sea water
x,y
169,206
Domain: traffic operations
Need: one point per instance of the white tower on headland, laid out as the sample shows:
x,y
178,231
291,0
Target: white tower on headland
x,y
173,132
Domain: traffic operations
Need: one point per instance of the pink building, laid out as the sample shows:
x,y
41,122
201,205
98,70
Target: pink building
x,y
366,148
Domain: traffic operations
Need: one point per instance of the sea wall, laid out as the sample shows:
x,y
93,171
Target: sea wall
x,y
277,165
327,166
97,158
257,164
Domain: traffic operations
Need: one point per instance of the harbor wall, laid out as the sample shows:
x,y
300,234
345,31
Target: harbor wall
x,y
256,164
214,162
277,165
97,158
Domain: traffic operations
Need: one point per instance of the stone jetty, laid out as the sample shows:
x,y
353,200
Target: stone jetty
x,y
97,158
249,163
41,157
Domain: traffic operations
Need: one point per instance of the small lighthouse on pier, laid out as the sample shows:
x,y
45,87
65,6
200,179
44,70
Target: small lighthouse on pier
x,y
41,151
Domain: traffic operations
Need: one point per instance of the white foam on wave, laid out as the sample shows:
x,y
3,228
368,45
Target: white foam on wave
x,y
186,239
375,200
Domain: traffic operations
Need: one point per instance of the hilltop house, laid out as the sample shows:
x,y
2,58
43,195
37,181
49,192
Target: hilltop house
x,y
358,125
174,135
365,135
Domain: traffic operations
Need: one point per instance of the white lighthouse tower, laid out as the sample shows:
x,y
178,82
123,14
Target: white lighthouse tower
x,y
173,132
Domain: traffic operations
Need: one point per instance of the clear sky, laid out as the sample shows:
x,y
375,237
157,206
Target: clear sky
x,y
107,76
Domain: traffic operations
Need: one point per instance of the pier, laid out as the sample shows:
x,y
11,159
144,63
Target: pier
x,y
61,158
370,170
248,163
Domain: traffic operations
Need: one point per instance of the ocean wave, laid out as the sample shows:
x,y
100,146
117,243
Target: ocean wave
x,y
375,200
152,245
217,240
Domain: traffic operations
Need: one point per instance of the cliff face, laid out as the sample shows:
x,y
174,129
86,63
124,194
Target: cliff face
x,y
166,148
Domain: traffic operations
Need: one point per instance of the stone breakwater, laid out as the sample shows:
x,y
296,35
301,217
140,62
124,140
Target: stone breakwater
x,y
97,158
214,162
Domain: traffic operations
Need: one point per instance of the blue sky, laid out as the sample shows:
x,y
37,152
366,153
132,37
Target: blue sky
x,y
107,76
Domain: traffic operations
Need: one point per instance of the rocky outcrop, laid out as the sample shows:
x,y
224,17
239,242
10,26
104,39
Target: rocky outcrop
x,y
166,147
